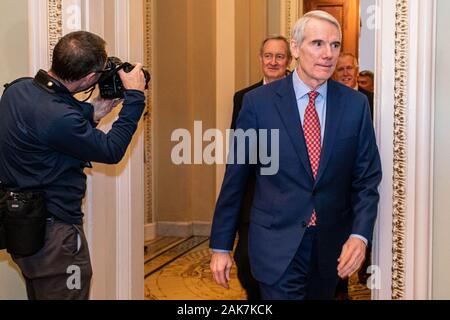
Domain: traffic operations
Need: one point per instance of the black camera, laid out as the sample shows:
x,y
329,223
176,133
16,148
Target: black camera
x,y
110,84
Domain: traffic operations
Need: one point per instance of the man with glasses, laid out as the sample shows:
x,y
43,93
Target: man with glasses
x,y
47,138
275,57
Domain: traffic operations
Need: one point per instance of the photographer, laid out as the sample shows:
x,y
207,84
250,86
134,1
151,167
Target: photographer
x,y
47,138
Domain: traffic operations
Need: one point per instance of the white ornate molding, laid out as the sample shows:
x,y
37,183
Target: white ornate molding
x,y
148,115
291,10
404,121
400,150
54,24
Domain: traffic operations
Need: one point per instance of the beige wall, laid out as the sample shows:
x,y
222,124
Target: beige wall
x,y
274,17
441,236
184,91
184,86
13,64
251,29
13,40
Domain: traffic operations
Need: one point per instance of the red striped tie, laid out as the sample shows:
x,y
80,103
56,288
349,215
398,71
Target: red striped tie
x,y
311,129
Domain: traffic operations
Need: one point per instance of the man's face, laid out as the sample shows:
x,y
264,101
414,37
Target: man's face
x,y
274,60
366,83
346,71
318,53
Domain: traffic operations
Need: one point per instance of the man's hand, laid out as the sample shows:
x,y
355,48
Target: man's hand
x,y
103,106
221,266
352,256
133,80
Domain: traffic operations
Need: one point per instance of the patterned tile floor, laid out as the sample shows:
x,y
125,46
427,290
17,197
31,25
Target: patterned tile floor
x,y
178,269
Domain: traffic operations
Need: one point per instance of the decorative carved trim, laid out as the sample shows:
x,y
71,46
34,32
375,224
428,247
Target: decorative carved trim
x,y
290,13
54,25
148,119
400,151
291,10
288,18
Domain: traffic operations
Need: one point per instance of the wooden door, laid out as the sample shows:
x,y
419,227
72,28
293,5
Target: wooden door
x,y
347,13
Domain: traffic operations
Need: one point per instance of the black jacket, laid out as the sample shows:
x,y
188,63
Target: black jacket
x,y
369,96
47,138
250,189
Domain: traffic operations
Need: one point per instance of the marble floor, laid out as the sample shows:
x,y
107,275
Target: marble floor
x,y
178,269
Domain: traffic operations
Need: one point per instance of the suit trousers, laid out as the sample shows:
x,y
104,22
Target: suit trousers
x,y
302,279
61,270
250,285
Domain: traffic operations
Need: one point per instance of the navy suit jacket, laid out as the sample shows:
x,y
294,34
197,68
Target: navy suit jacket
x,y
344,193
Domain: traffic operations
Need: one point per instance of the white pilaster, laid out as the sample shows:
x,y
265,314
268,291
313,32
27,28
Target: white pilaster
x,y
421,88
38,33
384,119
130,172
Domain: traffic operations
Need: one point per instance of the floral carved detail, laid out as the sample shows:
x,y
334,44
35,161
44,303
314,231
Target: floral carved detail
x,y
400,151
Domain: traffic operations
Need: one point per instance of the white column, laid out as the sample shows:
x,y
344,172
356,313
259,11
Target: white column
x,y
114,203
421,75
384,119
38,33
130,172
420,142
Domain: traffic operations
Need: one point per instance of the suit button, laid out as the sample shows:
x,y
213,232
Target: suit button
x,y
304,224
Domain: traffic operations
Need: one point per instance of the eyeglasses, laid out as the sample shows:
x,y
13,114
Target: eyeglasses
x,y
270,56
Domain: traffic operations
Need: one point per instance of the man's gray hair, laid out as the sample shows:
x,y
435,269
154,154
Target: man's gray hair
x,y
298,32
351,55
278,38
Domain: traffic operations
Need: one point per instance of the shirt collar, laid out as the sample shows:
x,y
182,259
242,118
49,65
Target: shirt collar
x,y
301,89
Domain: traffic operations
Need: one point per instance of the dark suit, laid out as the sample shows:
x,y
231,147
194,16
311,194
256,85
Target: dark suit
x,y
344,193
342,287
369,96
245,277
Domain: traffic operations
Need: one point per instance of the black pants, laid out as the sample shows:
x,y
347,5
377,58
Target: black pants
x,y
61,270
250,285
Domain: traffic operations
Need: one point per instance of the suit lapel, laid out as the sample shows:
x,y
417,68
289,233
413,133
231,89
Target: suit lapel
x,y
287,108
333,120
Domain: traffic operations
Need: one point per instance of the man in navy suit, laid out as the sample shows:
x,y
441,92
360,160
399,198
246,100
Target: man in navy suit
x,y
312,220
275,57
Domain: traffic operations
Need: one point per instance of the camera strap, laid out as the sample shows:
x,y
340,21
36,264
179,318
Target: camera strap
x,y
89,91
